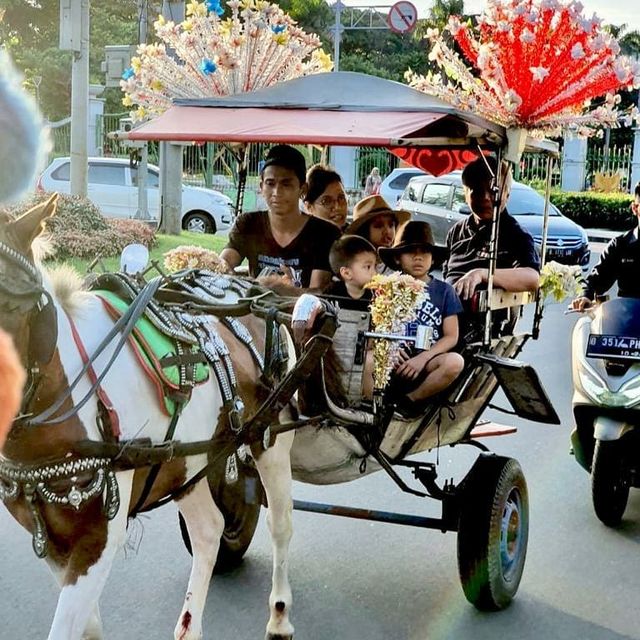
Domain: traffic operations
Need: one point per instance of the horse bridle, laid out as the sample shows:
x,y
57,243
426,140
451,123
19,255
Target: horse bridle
x,y
33,298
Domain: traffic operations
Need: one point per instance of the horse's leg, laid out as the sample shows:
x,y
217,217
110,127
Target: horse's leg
x,y
274,466
205,524
93,630
77,604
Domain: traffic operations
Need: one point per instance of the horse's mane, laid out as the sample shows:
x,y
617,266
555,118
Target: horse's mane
x,y
68,288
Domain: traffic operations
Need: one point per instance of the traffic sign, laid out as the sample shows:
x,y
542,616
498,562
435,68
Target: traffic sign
x,y
402,17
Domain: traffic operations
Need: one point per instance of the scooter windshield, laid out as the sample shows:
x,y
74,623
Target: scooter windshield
x,y
618,336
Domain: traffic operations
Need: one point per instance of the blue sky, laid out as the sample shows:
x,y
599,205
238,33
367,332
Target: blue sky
x,y
611,11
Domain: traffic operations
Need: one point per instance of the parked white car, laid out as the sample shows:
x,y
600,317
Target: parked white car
x,y
394,184
113,189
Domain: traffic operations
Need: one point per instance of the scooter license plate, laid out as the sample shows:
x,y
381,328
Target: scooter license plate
x,y
614,347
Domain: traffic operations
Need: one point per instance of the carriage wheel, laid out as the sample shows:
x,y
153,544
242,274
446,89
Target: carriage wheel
x,y
240,506
493,531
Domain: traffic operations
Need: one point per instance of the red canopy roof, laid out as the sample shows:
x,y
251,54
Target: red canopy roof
x,y
342,108
292,126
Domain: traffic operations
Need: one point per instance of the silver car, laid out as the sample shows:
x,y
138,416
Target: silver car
x,y
440,202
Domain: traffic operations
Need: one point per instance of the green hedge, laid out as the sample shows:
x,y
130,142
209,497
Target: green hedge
x,y
594,210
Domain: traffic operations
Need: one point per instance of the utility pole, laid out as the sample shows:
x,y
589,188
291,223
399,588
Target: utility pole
x,y
80,99
171,157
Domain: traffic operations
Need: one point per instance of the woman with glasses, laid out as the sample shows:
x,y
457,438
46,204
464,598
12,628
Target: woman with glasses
x,y
326,197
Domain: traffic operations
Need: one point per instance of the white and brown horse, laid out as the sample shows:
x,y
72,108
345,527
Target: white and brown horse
x,y
82,539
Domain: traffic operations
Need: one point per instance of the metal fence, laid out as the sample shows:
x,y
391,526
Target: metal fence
x,y
369,157
610,161
60,138
533,171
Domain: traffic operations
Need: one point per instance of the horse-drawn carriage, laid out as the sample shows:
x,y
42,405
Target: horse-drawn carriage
x,y
98,440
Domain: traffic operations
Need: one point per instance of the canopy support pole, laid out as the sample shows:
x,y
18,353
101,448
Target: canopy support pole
x,y
537,316
493,243
241,159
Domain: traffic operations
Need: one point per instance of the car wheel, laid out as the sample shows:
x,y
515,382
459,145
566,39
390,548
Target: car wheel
x,y
198,222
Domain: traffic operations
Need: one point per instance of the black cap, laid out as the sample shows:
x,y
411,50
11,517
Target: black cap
x,y
480,171
283,155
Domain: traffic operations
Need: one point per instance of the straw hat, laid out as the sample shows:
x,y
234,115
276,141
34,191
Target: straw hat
x,y
370,207
412,235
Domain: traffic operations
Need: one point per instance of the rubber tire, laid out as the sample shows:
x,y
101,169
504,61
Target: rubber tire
x,y
207,223
494,489
609,486
241,512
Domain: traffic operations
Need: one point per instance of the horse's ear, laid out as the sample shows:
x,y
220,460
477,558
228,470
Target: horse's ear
x,y
31,223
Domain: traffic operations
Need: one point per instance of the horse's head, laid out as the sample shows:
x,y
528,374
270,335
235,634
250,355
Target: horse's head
x,y
25,307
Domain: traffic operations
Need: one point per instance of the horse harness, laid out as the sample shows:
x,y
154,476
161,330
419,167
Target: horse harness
x,y
174,305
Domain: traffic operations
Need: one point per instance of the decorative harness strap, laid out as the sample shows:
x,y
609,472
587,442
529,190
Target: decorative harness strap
x,y
114,420
124,326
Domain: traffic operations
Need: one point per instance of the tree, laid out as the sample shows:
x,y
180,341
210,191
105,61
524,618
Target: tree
x,y
30,32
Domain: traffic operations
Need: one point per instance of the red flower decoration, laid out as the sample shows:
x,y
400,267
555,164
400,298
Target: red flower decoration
x,y
535,65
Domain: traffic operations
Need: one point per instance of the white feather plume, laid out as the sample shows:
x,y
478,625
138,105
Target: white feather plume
x,y
23,139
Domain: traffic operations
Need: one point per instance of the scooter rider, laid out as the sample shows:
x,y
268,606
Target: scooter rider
x,y
620,261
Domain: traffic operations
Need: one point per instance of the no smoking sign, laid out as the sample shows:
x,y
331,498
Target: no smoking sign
x,y
402,17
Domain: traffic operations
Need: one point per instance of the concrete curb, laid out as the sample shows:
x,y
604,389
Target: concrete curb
x,y
601,235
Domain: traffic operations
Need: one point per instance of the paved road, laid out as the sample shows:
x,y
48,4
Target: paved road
x,y
354,580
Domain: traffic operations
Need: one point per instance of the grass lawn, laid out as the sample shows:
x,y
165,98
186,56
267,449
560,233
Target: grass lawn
x,y
164,243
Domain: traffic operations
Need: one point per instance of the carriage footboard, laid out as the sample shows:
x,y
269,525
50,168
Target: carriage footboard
x,y
523,388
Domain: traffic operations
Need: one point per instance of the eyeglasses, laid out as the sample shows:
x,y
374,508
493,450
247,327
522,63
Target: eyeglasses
x,y
328,202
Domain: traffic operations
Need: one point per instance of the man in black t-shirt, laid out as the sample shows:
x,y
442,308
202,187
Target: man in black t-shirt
x,y
286,249
467,268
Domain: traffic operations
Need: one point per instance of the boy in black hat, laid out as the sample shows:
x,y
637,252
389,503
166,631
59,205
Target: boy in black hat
x,y
286,249
421,374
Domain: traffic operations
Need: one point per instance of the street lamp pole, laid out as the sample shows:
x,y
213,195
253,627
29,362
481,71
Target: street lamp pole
x,y
37,81
337,35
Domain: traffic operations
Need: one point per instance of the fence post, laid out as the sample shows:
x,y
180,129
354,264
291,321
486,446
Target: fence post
x,y
635,160
96,111
208,170
574,163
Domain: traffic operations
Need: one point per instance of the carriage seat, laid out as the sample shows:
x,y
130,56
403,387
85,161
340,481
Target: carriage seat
x,y
350,350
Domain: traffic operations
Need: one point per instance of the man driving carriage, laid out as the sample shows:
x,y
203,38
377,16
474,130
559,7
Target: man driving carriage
x,y
467,268
468,244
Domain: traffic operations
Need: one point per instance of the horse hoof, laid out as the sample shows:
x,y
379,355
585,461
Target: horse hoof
x,y
278,636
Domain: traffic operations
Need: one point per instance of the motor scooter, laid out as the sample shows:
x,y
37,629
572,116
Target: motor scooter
x,y
606,402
